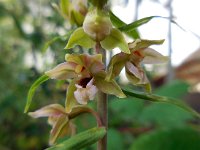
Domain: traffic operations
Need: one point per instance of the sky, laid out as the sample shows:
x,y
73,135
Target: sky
x,y
186,14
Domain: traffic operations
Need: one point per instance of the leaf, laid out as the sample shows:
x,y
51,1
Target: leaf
x,y
115,39
135,24
162,99
81,140
118,23
79,37
109,87
150,115
168,139
114,137
31,91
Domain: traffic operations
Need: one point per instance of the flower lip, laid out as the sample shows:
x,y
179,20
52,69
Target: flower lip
x,y
83,82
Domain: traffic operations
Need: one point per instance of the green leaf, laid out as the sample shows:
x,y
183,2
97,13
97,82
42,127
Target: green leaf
x,y
175,88
115,39
118,23
162,99
81,140
168,139
109,87
114,137
32,90
135,24
79,37
149,114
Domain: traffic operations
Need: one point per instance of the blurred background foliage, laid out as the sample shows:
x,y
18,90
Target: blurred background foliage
x,y
25,53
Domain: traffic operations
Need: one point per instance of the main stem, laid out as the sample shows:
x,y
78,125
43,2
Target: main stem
x,y
102,106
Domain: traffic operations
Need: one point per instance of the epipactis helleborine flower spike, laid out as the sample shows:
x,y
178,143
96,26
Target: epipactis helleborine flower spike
x,y
84,70
140,53
59,119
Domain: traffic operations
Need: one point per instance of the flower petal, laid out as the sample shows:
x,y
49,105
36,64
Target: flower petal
x,y
153,57
141,44
70,99
109,87
50,110
82,95
62,71
57,128
137,76
93,63
116,64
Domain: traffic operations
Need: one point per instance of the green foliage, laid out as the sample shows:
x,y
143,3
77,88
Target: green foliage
x,y
136,24
81,140
173,115
115,140
162,99
169,139
31,91
119,23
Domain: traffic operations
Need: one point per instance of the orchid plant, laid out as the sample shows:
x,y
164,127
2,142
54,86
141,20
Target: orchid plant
x,y
88,76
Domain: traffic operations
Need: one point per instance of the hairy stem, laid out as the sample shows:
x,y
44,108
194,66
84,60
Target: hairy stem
x,y
102,106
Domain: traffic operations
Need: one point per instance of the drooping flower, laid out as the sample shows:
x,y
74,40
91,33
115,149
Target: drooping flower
x,y
140,54
88,76
61,120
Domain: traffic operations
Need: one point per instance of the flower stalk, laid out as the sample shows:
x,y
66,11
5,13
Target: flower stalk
x,y
102,105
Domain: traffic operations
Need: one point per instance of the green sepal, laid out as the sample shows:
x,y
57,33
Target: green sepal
x,y
109,87
141,44
115,39
70,99
81,140
116,64
32,90
65,7
79,37
57,129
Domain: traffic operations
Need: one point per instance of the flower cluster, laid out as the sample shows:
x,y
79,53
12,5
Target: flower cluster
x,y
87,74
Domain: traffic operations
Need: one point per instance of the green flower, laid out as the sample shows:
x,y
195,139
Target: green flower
x,y
140,53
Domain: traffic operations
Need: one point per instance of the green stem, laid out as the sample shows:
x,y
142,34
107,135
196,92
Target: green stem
x,y
102,106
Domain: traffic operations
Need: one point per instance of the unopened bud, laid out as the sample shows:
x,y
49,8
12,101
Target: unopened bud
x,y
97,24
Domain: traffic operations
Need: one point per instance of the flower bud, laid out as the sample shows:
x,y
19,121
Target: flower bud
x,y
97,24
